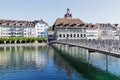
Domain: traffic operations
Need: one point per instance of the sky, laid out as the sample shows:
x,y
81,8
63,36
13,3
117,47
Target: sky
x,y
89,11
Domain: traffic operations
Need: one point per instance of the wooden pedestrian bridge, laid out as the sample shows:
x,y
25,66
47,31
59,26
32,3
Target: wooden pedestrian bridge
x,y
110,47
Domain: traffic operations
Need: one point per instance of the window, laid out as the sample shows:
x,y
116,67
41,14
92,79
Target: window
x,y
67,35
70,35
84,35
63,35
59,35
77,35
81,35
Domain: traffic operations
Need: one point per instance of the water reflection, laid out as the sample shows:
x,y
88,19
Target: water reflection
x,y
35,63
62,64
21,58
92,65
106,62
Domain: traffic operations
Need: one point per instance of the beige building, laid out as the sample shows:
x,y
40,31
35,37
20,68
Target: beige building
x,y
73,28
69,28
92,31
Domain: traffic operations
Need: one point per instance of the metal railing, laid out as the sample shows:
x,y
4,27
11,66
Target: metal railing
x,y
103,45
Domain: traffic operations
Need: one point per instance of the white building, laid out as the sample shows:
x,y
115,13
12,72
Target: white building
x,y
107,31
17,28
92,31
41,29
117,31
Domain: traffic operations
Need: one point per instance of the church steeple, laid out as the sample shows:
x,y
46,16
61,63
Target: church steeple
x,y
68,14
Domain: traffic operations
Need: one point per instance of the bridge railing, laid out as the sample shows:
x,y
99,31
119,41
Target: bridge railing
x,y
107,45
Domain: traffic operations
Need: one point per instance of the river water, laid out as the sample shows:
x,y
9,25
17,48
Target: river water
x,y
53,63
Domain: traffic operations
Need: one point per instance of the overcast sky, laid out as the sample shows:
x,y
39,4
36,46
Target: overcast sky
x,y
89,11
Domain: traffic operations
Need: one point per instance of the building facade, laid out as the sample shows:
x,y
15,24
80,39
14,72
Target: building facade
x,y
17,28
41,29
92,31
69,28
50,34
107,31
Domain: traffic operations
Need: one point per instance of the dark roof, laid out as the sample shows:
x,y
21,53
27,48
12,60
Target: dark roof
x,y
90,25
41,21
104,25
50,29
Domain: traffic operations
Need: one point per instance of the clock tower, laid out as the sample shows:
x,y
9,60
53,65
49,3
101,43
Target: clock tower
x,y
68,14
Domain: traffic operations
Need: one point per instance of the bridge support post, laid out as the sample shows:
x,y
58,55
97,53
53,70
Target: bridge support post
x,y
106,62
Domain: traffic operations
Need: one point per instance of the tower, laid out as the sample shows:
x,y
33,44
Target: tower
x,y
68,14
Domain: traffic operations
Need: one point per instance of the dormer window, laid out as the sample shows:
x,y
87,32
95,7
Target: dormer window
x,y
20,24
0,23
92,26
86,25
14,24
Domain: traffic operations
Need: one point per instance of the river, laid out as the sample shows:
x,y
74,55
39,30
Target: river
x,y
52,63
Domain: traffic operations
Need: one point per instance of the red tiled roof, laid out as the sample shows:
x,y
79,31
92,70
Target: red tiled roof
x,y
16,23
69,21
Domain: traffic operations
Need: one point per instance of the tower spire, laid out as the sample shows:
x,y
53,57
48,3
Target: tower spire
x,y
68,14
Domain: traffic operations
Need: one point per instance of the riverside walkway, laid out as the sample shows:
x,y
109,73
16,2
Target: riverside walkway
x,y
111,47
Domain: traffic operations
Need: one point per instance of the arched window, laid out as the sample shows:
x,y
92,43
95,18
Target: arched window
x,y
81,35
63,35
70,35
67,35
60,35
84,35
77,35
